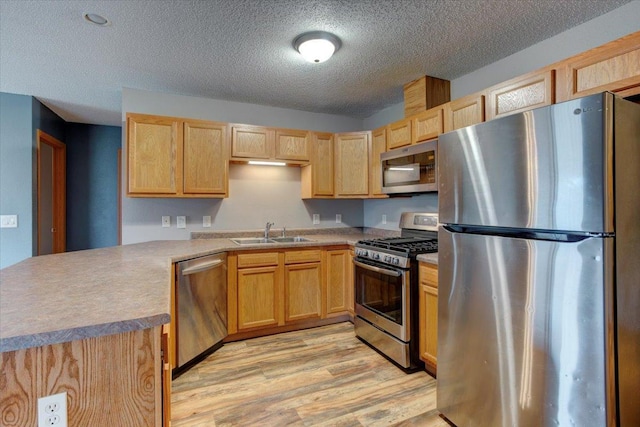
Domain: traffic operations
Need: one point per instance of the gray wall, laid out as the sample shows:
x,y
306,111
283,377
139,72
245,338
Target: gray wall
x,y
16,181
92,185
257,194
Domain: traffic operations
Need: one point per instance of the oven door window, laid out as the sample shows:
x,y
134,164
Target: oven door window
x,y
380,293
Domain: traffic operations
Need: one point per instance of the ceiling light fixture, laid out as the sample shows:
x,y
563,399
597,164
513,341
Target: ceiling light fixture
x,y
94,18
256,162
317,46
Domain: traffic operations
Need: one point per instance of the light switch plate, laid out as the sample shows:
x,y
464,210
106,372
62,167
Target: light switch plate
x,y
8,221
166,221
338,218
316,219
206,221
181,221
384,219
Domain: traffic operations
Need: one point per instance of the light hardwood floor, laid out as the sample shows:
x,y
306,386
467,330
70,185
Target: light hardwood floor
x,y
316,377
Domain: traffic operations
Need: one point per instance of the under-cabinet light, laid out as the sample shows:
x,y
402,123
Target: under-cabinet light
x,y
257,162
400,169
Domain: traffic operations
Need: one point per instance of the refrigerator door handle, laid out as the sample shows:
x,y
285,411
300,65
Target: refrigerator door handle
x,y
548,235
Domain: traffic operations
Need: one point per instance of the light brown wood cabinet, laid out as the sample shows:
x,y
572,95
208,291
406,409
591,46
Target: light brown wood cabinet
x,y
317,178
303,284
292,145
264,143
465,111
352,164
427,124
339,278
523,93
399,134
613,67
428,313
378,146
172,157
259,289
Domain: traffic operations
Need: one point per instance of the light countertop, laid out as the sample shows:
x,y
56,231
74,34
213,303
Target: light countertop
x,y
75,295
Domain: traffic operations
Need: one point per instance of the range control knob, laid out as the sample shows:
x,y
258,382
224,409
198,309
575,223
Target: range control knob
x,y
375,256
396,261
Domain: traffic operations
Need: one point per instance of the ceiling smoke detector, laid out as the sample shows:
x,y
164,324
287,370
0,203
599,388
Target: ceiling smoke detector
x,y
317,46
96,19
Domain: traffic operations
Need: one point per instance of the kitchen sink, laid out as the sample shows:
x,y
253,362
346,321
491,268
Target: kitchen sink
x,y
250,241
262,240
290,239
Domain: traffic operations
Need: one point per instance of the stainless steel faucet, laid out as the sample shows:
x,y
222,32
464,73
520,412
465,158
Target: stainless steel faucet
x,y
284,231
267,227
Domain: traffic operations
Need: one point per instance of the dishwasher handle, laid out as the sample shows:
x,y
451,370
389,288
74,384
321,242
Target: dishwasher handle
x,y
202,267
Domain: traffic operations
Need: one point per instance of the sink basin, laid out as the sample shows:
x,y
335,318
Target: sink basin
x,y
251,241
290,239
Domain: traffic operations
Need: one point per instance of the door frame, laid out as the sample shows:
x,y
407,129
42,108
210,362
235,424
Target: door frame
x,y
59,191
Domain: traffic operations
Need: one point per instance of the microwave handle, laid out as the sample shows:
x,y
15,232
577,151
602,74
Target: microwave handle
x,y
384,271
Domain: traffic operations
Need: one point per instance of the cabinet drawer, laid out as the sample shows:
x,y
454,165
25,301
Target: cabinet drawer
x,y
257,260
296,257
428,274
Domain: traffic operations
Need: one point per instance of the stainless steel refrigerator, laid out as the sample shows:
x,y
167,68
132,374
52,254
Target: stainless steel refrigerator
x,y
539,268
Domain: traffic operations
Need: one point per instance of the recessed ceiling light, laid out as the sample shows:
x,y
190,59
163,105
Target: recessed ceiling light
x,y
94,18
317,46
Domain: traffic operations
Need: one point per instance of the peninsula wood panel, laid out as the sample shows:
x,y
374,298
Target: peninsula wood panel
x,y
352,164
613,67
110,380
258,297
152,148
338,272
303,291
427,125
292,145
252,142
378,146
523,93
465,111
205,158
399,134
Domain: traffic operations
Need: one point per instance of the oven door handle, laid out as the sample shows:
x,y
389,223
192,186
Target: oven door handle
x,y
380,270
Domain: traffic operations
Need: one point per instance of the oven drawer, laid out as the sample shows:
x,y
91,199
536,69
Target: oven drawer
x,y
396,350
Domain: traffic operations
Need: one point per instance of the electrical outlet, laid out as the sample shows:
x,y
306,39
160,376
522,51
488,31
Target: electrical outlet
x,y
181,221
384,219
8,221
316,219
52,410
338,218
166,221
206,221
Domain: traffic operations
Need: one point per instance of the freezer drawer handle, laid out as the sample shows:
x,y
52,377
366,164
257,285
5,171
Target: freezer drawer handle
x,y
202,267
378,269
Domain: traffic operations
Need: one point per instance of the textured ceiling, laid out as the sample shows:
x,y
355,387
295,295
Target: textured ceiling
x,y
241,50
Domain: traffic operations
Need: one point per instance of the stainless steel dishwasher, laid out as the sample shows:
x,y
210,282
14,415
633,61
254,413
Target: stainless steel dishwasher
x,y
202,308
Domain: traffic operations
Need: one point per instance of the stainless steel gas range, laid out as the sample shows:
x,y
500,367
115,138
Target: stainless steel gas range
x,y
386,289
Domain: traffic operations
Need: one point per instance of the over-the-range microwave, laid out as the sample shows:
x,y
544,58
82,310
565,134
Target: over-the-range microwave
x,y
412,169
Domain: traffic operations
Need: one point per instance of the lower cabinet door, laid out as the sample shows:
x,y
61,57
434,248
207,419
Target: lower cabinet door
x,y
303,291
258,297
429,325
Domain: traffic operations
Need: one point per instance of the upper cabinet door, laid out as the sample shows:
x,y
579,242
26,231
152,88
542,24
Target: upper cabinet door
x,y
322,165
252,142
205,158
399,134
352,164
292,145
427,124
522,93
152,151
465,111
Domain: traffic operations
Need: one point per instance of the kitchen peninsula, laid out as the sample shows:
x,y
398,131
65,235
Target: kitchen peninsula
x,y
90,323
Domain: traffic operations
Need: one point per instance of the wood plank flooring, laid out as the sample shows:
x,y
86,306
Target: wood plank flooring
x,y
316,377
